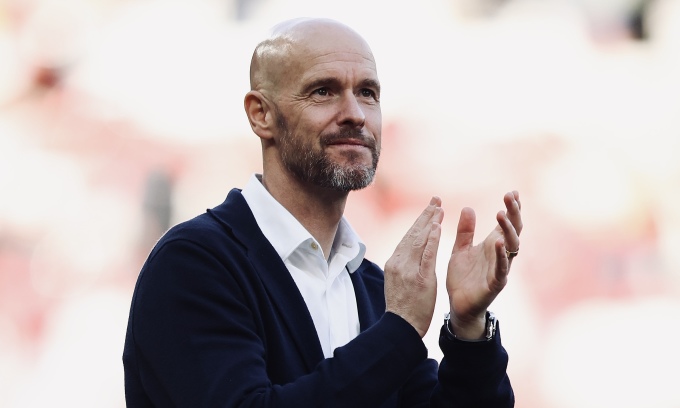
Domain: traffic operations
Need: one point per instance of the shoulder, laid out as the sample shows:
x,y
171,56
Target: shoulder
x,y
203,229
217,228
207,246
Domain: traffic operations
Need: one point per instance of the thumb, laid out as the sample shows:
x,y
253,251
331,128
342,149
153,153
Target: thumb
x,y
466,229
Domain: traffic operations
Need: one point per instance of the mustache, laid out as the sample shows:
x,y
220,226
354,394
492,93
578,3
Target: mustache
x,y
349,134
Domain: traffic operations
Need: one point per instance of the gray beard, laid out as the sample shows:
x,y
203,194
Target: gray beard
x,y
317,168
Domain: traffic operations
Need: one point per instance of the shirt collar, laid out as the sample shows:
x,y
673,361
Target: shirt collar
x,y
285,232
348,243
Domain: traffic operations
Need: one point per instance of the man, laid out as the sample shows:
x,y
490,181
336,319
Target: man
x,y
266,300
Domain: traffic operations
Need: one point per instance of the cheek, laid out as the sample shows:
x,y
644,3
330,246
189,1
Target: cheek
x,y
312,121
374,124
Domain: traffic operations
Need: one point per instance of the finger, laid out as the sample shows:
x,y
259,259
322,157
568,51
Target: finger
x,y
429,259
515,194
466,229
426,215
422,237
514,210
510,235
429,214
416,236
502,265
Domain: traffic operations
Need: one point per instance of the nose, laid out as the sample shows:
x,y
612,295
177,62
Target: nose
x,y
351,113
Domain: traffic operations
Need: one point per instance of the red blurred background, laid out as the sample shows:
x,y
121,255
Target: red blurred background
x,y
121,118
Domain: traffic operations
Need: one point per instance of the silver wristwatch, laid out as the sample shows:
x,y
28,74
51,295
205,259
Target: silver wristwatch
x,y
490,330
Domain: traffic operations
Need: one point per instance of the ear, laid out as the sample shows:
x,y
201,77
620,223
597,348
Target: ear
x,y
260,114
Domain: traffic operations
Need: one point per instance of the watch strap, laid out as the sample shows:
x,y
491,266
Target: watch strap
x,y
489,331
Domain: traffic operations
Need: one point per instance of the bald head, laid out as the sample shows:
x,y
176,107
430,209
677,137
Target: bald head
x,y
280,58
315,104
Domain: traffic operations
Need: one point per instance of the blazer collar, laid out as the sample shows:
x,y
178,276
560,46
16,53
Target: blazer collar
x,y
235,214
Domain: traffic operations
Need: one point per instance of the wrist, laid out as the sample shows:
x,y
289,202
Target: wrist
x,y
410,320
477,329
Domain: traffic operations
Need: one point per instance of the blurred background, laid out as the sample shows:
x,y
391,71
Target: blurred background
x,y
120,118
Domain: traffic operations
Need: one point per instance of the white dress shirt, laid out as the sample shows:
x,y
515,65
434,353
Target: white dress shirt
x,y
325,286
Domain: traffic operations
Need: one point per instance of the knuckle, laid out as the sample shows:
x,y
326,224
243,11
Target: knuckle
x,y
418,242
420,281
428,255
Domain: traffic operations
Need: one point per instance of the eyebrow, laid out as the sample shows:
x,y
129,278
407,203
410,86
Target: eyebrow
x,y
329,82
371,83
332,82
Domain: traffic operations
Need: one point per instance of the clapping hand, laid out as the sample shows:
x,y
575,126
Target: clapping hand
x,y
410,278
477,273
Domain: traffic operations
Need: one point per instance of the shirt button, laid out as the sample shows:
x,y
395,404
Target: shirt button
x,y
314,246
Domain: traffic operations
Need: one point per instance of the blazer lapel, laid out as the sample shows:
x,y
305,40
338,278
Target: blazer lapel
x,y
365,303
280,286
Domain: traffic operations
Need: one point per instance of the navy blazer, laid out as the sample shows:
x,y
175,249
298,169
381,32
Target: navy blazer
x,y
217,321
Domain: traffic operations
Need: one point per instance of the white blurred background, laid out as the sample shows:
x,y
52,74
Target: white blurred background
x,y
119,118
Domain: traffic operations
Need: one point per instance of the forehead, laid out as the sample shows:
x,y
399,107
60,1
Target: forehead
x,y
333,51
340,64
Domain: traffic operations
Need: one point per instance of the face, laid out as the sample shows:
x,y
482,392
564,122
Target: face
x,y
329,116
313,162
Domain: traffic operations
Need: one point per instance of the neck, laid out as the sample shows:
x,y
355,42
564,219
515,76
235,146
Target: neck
x,y
319,210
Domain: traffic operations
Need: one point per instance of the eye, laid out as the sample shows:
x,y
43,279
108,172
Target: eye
x,y
368,93
321,92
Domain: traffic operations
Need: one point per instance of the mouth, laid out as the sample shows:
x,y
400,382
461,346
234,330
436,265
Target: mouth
x,y
354,148
350,142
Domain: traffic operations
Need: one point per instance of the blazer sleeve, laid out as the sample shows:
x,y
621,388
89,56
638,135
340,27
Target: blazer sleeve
x,y
473,374
194,340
